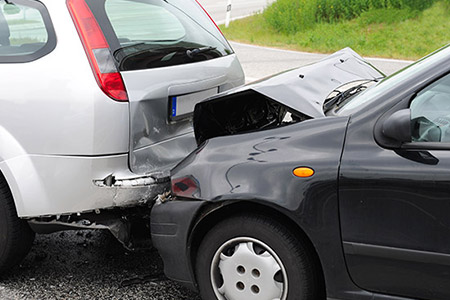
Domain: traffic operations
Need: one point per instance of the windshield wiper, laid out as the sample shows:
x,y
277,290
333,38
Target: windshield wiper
x,y
194,52
342,96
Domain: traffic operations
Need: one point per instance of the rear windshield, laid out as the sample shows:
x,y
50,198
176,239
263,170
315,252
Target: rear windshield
x,y
145,34
26,32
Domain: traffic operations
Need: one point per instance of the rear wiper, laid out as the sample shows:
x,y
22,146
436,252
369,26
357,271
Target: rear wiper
x,y
196,51
140,46
122,49
342,96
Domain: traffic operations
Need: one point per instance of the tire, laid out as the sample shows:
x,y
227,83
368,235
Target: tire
x,y
253,257
16,236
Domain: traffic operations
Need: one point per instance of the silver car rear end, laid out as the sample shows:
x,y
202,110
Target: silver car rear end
x,y
62,136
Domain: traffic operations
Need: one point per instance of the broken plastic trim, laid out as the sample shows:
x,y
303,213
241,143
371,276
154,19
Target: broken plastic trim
x,y
119,227
111,181
128,225
163,198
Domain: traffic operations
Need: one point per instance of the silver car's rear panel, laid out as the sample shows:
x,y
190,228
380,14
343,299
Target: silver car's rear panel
x,y
156,142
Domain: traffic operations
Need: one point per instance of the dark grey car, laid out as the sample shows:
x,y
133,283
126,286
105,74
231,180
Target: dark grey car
x,y
293,194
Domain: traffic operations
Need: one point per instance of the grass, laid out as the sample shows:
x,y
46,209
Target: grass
x,y
392,33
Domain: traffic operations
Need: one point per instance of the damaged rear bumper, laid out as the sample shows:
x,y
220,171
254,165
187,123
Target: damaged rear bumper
x,y
54,185
171,223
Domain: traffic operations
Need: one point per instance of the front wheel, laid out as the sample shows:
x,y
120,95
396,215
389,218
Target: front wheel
x,y
254,257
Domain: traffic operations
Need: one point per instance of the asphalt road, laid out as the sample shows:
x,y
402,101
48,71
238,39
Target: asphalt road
x,y
259,62
92,265
89,265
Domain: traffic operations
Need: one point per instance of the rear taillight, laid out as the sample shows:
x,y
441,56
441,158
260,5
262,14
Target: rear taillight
x,y
185,187
97,50
209,16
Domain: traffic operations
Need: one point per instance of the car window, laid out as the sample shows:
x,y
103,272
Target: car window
x,y
136,21
430,113
145,34
25,31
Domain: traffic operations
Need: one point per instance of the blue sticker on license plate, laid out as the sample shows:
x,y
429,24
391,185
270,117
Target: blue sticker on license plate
x,y
182,106
174,106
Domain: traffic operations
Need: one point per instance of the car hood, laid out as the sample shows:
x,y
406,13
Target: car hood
x,y
306,88
264,104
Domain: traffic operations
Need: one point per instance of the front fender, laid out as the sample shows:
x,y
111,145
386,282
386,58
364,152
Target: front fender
x,y
259,165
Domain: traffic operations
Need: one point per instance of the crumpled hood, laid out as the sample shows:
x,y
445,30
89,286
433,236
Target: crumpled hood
x,y
306,88
290,97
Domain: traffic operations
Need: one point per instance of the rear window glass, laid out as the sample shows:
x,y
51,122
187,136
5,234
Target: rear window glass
x,y
145,34
26,33
143,22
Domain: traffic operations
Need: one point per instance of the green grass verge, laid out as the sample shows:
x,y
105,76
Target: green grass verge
x,y
391,33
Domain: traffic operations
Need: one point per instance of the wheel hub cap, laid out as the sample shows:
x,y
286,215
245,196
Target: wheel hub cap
x,y
248,269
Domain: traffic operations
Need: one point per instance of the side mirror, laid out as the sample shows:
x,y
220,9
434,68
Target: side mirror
x,y
11,9
398,126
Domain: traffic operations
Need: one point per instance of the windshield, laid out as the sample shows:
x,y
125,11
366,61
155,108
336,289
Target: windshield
x,y
359,101
144,34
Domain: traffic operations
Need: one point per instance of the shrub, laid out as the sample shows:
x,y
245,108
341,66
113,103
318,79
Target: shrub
x,y
335,10
290,16
384,15
418,4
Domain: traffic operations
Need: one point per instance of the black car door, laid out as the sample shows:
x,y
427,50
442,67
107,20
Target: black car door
x,y
395,203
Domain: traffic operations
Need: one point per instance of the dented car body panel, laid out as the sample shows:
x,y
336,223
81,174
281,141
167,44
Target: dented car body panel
x,y
289,97
249,166
306,88
157,143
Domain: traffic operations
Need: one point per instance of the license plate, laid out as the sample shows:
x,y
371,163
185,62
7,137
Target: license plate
x,y
182,106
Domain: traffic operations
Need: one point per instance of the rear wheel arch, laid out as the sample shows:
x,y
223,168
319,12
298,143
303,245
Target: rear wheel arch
x,y
215,213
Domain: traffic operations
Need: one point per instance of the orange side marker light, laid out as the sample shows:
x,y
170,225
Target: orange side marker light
x,y
303,172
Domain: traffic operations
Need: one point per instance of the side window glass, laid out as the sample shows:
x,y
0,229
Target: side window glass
x,y
24,31
430,113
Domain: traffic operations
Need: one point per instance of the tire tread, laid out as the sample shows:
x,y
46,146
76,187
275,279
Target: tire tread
x,y
19,236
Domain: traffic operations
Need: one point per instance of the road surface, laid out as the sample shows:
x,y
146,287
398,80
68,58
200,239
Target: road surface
x,y
259,62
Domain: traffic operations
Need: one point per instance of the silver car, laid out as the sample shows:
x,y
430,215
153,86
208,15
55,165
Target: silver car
x,y
96,107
